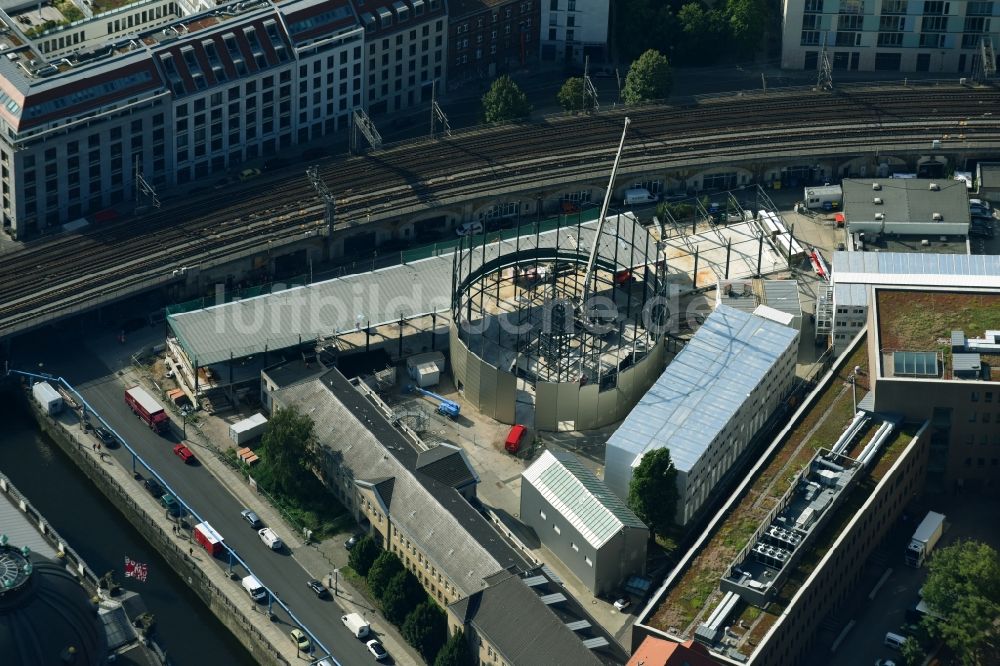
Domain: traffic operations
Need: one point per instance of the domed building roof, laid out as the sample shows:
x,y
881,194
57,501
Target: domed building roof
x,y
46,616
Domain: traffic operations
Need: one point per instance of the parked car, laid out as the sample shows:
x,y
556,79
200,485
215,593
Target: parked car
x,y
469,229
515,439
106,437
172,506
252,518
248,174
301,640
351,542
184,453
153,487
318,588
377,650
622,603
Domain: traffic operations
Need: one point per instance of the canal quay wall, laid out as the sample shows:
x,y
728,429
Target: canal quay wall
x,y
212,585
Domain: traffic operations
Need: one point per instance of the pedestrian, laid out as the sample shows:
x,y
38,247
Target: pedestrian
x,y
191,551
94,446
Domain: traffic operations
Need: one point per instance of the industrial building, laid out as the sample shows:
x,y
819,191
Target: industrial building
x,y
846,306
166,91
583,523
988,180
708,405
488,38
889,36
954,386
572,30
915,207
416,501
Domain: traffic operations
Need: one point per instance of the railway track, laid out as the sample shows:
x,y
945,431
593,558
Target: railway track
x,y
468,164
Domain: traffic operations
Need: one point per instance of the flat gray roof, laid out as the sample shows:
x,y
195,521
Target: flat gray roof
x,y
704,386
903,268
783,295
580,497
908,205
301,314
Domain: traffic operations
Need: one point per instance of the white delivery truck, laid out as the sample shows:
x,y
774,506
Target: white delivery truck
x,y
924,539
254,588
355,624
638,195
268,536
47,398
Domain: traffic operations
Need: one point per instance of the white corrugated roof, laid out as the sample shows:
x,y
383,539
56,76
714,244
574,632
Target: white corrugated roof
x,y
704,386
580,497
917,269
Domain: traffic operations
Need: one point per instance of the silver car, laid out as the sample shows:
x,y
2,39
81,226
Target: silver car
x,y
251,518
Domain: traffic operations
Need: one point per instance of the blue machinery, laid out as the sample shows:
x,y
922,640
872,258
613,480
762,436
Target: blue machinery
x,y
445,407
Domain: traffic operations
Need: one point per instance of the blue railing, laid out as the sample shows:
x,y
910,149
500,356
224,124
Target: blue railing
x,y
233,556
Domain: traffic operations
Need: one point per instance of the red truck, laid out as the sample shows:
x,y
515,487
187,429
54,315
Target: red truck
x,y
147,409
209,539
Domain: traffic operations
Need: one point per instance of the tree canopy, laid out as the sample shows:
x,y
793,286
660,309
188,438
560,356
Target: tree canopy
x,y
455,652
505,101
652,494
648,78
363,555
401,595
426,629
573,96
287,451
383,569
963,587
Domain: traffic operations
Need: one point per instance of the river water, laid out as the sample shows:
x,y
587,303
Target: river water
x,y
185,628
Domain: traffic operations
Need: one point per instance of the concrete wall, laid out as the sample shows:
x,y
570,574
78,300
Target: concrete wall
x,y
565,405
834,578
213,597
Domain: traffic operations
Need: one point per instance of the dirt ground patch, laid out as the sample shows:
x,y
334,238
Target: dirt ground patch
x,y
921,320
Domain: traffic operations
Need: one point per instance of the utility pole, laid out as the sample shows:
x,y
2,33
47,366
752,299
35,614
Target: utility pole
x,y
143,188
763,82
824,80
330,204
436,113
363,124
588,86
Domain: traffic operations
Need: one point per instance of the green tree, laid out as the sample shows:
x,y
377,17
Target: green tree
x,y
455,652
426,629
505,101
287,451
648,78
573,96
383,569
652,494
363,555
746,20
912,652
401,595
963,587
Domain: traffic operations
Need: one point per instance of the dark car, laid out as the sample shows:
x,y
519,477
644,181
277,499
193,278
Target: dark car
x,y
106,437
154,488
318,588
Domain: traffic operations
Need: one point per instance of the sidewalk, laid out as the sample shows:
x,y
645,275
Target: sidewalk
x,y
319,560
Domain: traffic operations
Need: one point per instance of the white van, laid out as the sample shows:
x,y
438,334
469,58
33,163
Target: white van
x,y
268,536
355,624
254,588
895,641
639,195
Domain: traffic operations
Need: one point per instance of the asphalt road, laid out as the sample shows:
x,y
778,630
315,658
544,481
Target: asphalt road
x,y
279,571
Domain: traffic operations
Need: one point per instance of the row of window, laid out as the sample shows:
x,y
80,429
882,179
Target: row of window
x,y
899,7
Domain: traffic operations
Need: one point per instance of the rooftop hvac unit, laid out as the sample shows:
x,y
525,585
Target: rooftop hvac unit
x,y
879,216
925,242
937,217
935,143
877,201
934,187
876,186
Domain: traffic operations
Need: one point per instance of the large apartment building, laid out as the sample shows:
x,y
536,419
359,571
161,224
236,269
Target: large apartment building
x,y
170,90
487,38
889,35
574,29
405,51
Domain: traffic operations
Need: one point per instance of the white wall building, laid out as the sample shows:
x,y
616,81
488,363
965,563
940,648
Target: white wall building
x,y
572,29
887,35
716,394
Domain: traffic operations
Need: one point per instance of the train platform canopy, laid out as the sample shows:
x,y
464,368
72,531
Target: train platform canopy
x,y
283,319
